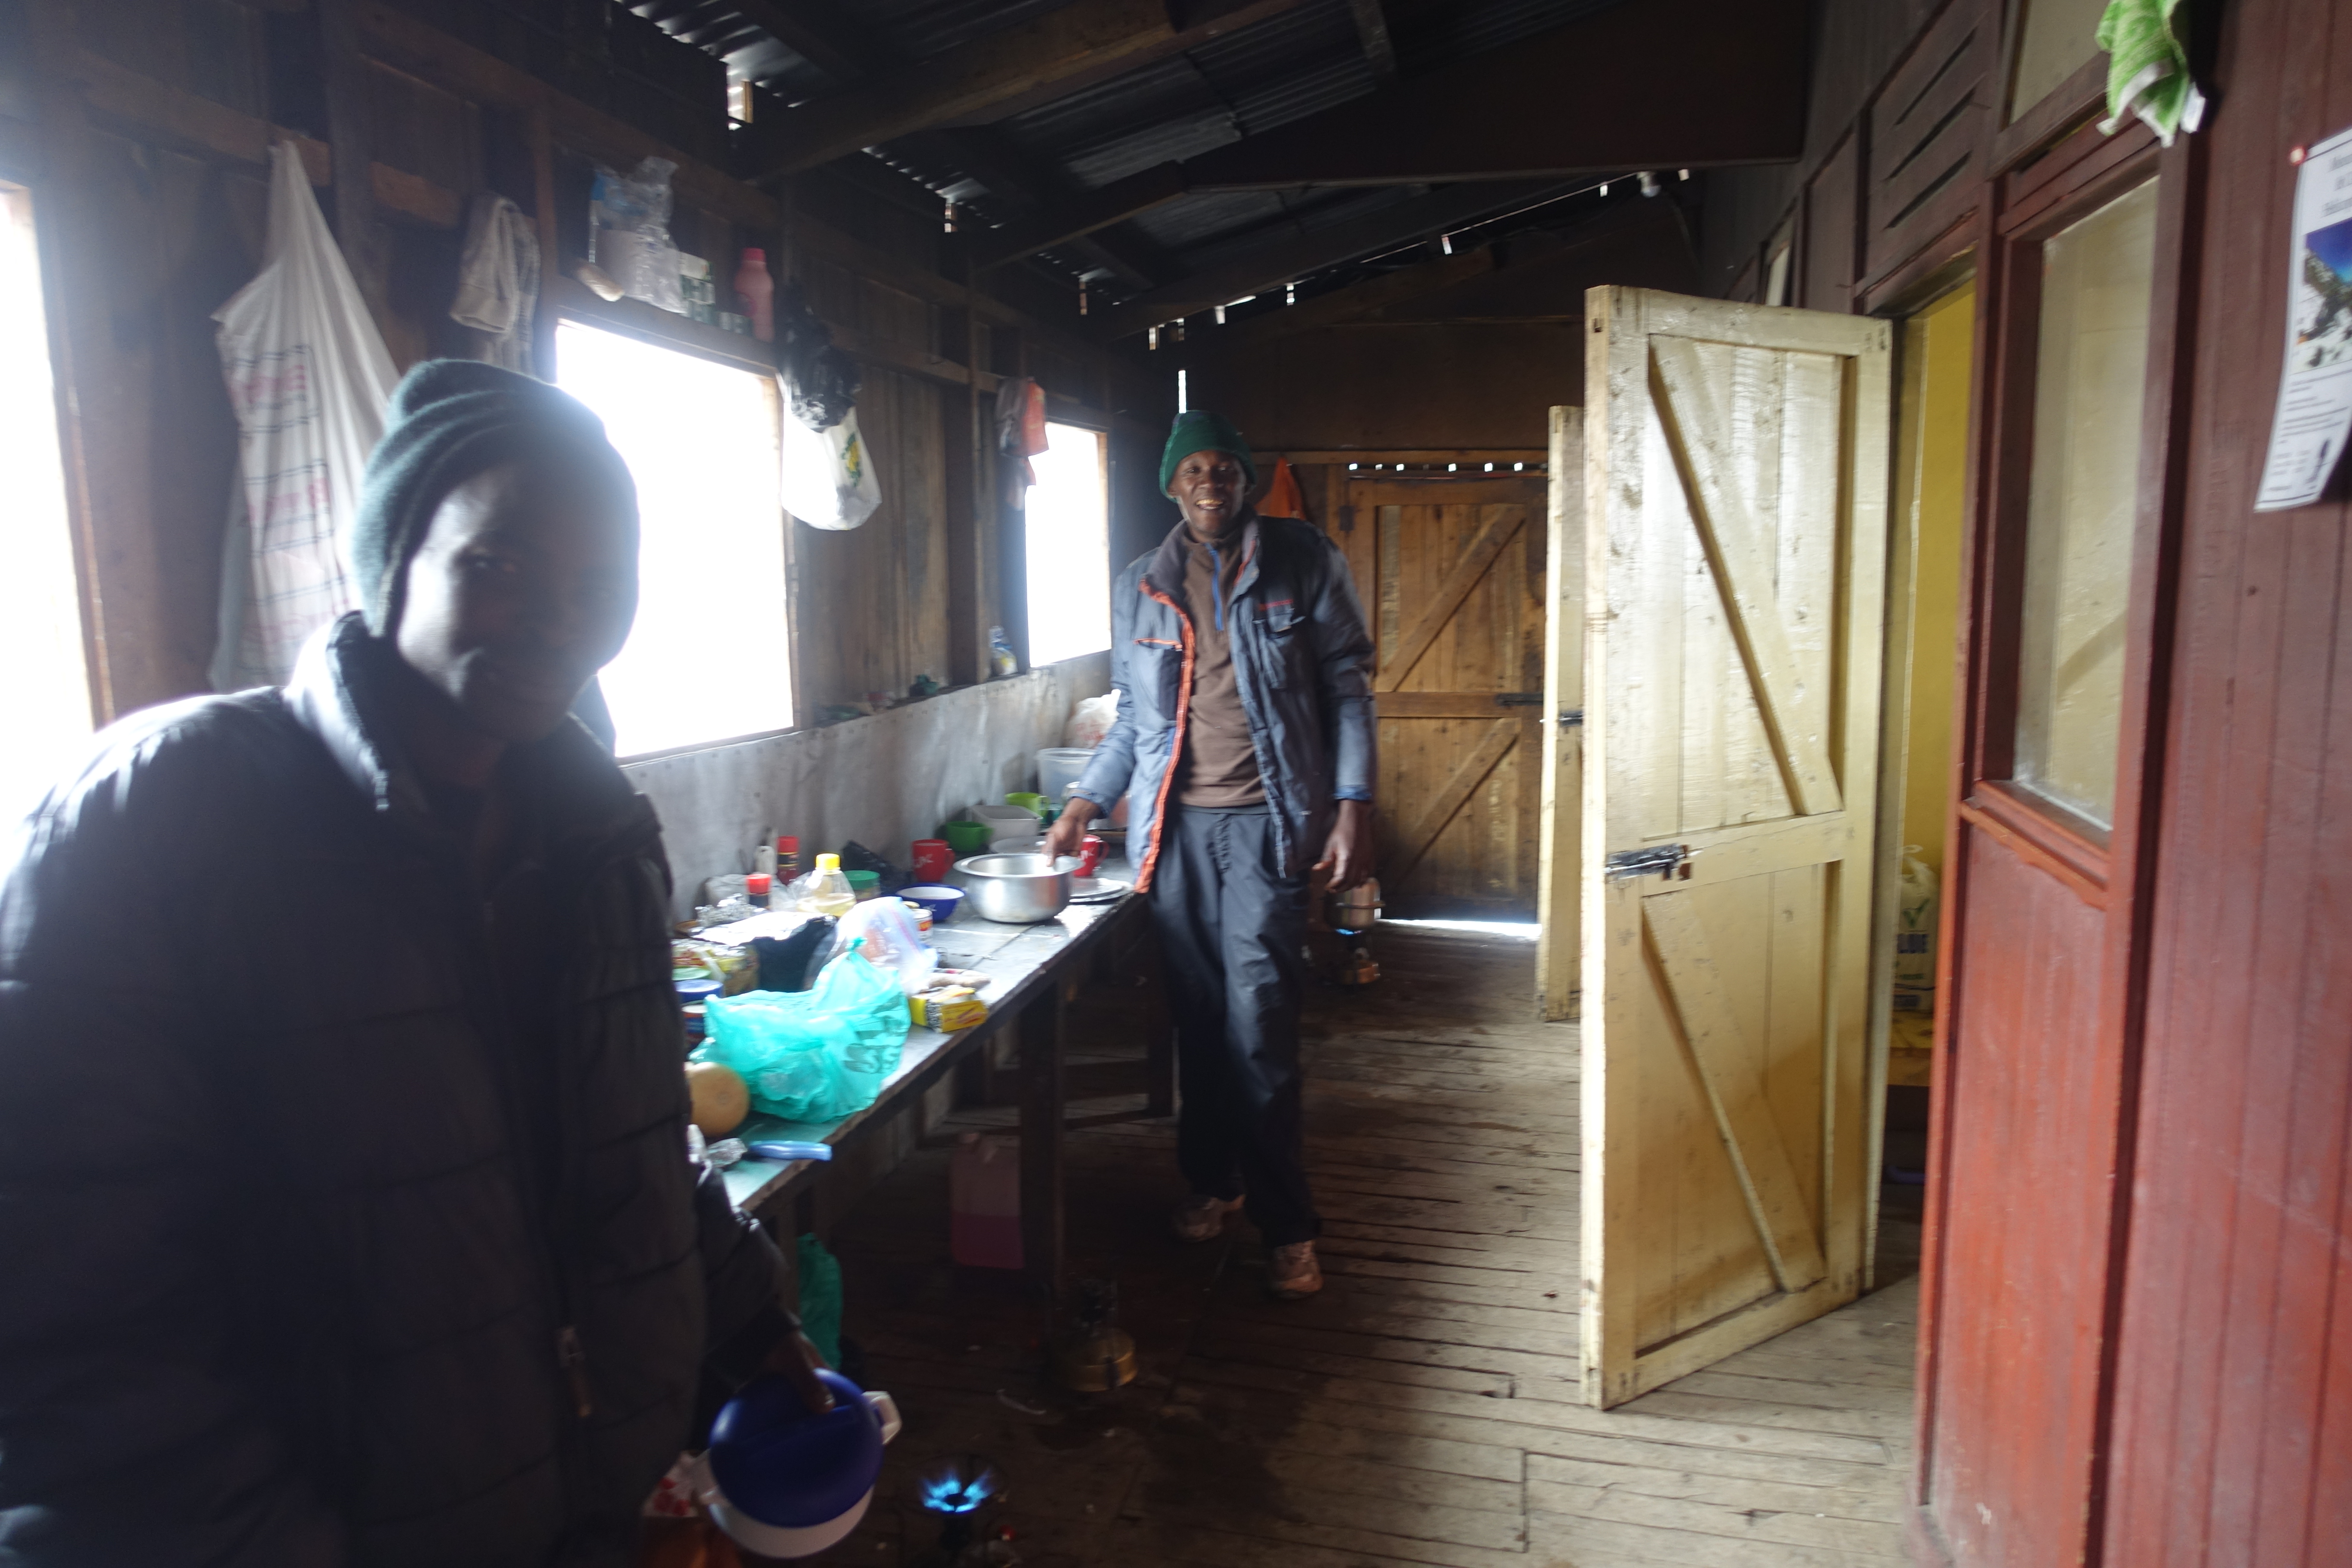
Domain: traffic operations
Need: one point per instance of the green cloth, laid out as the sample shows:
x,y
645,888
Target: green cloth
x,y
2148,70
1198,430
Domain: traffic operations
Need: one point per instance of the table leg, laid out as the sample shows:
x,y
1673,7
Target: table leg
x,y
1040,1141
1158,1023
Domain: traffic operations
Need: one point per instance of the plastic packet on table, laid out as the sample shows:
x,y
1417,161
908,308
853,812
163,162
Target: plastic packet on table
x,y
815,1055
887,928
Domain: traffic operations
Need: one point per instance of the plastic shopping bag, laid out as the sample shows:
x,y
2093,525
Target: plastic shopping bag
x,y
815,1055
887,929
828,475
1914,935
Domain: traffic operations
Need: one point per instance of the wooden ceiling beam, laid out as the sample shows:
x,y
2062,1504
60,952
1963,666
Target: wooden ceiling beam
x,y
1084,39
1373,28
1663,85
1598,96
1272,266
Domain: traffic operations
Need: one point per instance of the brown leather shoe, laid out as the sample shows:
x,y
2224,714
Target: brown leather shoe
x,y
1202,1218
1292,1273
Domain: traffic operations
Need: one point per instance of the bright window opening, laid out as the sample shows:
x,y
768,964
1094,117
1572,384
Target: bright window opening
x,y
1068,547
700,438
44,710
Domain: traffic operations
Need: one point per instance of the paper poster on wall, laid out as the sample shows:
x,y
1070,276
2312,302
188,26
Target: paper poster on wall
x,y
2315,403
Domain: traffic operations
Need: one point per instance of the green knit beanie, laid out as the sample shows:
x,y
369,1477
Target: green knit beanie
x,y
1198,430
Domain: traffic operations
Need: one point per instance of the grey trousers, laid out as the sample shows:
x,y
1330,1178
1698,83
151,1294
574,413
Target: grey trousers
x,y
1232,922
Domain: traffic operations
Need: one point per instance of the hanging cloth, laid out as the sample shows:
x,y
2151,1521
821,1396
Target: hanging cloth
x,y
1282,494
1020,434
2148,70
498,280
309,378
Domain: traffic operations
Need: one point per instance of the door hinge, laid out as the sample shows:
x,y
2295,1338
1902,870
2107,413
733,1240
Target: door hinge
x,y
1669,860
1569,718
1518,699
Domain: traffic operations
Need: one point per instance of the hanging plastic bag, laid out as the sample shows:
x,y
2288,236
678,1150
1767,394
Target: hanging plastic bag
x,y
628,233
310,379
1914,935
828,475
1090,722
816,1054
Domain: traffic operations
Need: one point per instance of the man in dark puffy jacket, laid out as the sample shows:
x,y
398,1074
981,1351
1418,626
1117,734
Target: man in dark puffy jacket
x,y
345,1210
1244,744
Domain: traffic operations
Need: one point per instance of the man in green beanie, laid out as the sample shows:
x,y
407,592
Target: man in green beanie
x,y
1244,743
386,1248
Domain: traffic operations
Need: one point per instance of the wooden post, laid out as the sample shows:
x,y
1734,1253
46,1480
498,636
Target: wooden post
x,y
356,229
1040,1141
1560,834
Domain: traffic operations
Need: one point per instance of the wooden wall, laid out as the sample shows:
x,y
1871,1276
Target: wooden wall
x,y
1464,351
2234,1378
143,128
2138,1337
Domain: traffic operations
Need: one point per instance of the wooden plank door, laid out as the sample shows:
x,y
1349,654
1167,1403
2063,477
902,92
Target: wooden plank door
x,y
1735,469
1455,600
1558,894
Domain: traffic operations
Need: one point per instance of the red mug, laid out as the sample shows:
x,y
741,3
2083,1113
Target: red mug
x,y
1091,854
932,859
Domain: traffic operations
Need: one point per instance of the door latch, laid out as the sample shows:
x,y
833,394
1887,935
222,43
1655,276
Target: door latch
x,y
1571,718
1670,861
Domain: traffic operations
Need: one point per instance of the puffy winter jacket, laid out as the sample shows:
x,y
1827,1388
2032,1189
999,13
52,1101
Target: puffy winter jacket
x,y
1301,659
303,1261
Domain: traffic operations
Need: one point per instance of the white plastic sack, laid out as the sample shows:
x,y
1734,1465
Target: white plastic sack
x,y
1914,935
310,379
1091,720
828,475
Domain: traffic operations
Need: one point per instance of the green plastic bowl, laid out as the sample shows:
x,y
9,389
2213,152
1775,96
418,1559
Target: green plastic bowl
x,y
967,837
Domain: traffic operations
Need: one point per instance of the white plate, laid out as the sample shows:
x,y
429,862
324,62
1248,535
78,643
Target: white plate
x,y
1097,889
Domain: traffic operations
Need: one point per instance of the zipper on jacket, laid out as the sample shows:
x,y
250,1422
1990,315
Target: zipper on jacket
x,y
574,1363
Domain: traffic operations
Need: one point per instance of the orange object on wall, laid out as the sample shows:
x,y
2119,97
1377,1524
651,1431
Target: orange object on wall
x,y
1282,495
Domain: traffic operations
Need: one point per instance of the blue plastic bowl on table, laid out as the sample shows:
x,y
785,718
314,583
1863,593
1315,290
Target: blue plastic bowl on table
x,y
942,901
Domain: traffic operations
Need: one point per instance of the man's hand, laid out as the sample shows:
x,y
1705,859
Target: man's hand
x,y
796,1361
1347,853
1070,828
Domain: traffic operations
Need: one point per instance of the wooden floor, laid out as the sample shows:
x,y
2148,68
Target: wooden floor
x,y
1421,1410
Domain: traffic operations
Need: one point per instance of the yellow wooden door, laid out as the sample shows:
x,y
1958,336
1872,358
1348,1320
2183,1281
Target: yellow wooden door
x,y
1457,613
1560,938
1736,465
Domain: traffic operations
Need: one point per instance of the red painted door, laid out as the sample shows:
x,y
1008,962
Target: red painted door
x,y
2045,877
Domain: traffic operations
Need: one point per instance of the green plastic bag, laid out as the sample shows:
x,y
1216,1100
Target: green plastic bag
x,y
821,1299
816,1054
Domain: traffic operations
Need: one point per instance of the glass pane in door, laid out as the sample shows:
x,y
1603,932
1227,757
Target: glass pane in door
x,y
2057,37
2090,377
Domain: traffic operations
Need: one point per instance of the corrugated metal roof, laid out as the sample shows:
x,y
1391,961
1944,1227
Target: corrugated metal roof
x,y
1296,64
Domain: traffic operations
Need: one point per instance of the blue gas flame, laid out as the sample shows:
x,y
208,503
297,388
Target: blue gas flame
x,y
950,1492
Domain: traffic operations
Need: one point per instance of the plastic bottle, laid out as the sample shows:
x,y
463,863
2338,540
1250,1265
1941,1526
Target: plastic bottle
x,y
756,291
828,892
759,888
984,1203
788,859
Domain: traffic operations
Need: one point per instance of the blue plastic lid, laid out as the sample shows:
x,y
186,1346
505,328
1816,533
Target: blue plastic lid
x,y
784,1467
701,990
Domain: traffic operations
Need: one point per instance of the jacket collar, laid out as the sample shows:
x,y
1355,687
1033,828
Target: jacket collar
x,y
337,692
1166,572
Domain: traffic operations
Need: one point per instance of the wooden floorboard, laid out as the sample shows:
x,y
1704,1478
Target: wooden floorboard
x,y
1422,1409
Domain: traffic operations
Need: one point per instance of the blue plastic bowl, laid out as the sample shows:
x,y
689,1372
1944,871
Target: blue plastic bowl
x,y
942,902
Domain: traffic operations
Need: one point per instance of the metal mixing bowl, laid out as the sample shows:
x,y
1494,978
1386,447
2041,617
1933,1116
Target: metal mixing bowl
x,y
1019,889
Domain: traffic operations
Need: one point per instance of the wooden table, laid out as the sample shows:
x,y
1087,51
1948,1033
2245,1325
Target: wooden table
x,y
1035,969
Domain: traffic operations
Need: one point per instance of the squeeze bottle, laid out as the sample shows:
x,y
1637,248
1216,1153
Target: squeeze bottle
x,y
756,291
829,892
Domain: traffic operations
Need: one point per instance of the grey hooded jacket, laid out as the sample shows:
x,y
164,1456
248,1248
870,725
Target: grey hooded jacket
x,y
297,1237
1303,662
